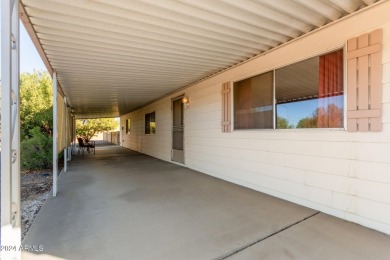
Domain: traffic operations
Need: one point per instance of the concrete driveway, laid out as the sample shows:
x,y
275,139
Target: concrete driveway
x,y
119,204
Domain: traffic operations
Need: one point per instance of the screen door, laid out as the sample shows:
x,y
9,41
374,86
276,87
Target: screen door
x,y
178,131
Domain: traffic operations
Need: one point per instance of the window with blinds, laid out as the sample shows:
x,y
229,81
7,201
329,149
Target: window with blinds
x,y
306,94
253,108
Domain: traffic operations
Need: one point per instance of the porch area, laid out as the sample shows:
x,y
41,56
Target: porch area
x,y
121,204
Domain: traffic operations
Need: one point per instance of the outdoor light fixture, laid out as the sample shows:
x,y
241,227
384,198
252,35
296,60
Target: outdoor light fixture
x,y
185,101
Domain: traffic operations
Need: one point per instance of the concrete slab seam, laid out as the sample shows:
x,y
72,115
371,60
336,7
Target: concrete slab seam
x,y
264,238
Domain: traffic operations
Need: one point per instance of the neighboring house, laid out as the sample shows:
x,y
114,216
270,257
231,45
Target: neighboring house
x,y
227,130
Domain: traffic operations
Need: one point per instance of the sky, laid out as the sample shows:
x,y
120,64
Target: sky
x,y
295,111
29,57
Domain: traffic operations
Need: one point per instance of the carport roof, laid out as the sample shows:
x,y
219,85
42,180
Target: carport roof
x,y
114,56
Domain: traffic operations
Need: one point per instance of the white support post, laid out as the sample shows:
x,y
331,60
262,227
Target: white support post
x,y
6,227
71,143
55,134
65,135
70,130
10,166
16,124
121,129
74,134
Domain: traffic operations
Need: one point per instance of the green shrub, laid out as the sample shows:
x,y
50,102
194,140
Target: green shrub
x,y
36,150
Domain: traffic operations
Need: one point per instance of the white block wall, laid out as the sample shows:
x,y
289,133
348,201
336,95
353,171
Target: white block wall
x,y
343,174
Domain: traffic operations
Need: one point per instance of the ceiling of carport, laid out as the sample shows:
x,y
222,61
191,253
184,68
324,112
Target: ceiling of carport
x,y
112,56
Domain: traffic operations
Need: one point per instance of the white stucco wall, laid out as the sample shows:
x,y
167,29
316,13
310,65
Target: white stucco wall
x,y
343,174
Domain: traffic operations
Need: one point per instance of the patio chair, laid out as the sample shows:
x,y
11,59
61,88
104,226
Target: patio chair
x,y
85,146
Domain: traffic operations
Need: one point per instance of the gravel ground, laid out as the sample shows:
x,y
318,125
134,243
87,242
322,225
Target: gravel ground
x,y
30,209
35,189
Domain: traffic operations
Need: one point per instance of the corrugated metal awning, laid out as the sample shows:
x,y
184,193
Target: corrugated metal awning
x,y
114,56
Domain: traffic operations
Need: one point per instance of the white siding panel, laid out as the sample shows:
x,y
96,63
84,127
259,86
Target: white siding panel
x,y
204,125
201,132
325,165
386,53
386,112
382,226
372,171
386,33
340,173
214,117
319,148
330,135
375,152
386,93
298,190
385,74
254,166
205,92
376,191
211,107
366,208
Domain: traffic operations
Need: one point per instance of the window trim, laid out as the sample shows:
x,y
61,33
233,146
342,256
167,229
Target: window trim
x,y
274,99
343,128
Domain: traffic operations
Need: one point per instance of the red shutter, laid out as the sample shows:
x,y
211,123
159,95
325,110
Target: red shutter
x,y
226,107
364,78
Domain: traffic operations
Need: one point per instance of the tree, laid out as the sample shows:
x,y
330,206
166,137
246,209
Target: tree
x,y
282,123
36,102
36,150
332,116
323,117
36,120
308,122
88,128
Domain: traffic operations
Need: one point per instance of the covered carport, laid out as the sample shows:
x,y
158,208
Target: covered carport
x,y
109,58
121,204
